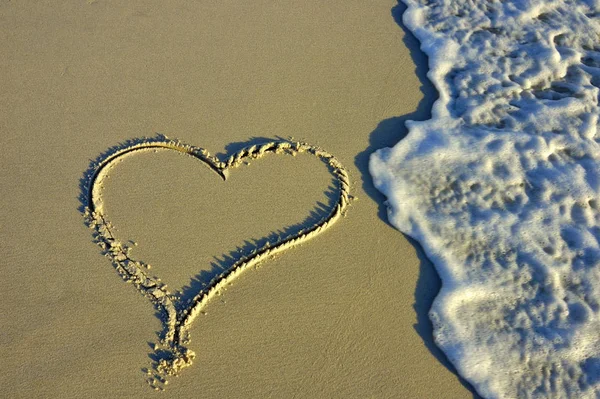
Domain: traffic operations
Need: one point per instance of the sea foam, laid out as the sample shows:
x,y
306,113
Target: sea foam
x,y
501,188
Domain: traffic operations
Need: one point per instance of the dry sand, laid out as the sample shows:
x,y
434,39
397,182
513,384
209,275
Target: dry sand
x,y
344,315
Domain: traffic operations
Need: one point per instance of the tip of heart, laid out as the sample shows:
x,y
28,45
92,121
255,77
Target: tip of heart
x,y
171,356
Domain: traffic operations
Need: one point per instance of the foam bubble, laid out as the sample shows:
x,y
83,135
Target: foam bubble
x,y
501,187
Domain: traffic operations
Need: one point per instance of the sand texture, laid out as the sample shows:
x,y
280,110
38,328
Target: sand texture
x,y
341,315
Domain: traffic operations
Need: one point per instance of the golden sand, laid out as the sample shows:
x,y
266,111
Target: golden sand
x,y
344,315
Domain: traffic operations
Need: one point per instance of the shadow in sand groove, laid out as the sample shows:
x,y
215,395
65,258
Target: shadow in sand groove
x,y
387,134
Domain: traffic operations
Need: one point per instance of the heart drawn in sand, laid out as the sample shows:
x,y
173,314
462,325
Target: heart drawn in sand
x,y
178,317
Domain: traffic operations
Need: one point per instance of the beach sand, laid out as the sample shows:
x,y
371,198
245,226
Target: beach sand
x,y
344,315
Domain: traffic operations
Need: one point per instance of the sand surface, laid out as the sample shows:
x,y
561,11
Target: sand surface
x,y
344,315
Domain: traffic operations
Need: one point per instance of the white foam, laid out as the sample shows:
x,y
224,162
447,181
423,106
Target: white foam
x,y
501,187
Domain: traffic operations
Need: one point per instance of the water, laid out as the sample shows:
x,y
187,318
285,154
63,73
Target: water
x,y
501,188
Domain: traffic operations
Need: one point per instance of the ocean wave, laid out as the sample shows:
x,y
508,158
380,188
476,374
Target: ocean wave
x,y
501,188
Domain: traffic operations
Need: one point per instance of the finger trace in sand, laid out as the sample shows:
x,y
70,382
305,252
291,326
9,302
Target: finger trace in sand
x,y
174,355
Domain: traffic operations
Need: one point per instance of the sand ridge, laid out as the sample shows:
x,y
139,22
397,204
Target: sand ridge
x,y
172,355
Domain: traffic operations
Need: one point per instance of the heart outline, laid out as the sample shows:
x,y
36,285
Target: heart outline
x,y
177,322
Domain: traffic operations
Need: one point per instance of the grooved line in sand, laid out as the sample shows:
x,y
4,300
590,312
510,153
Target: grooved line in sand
x,y
176,321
